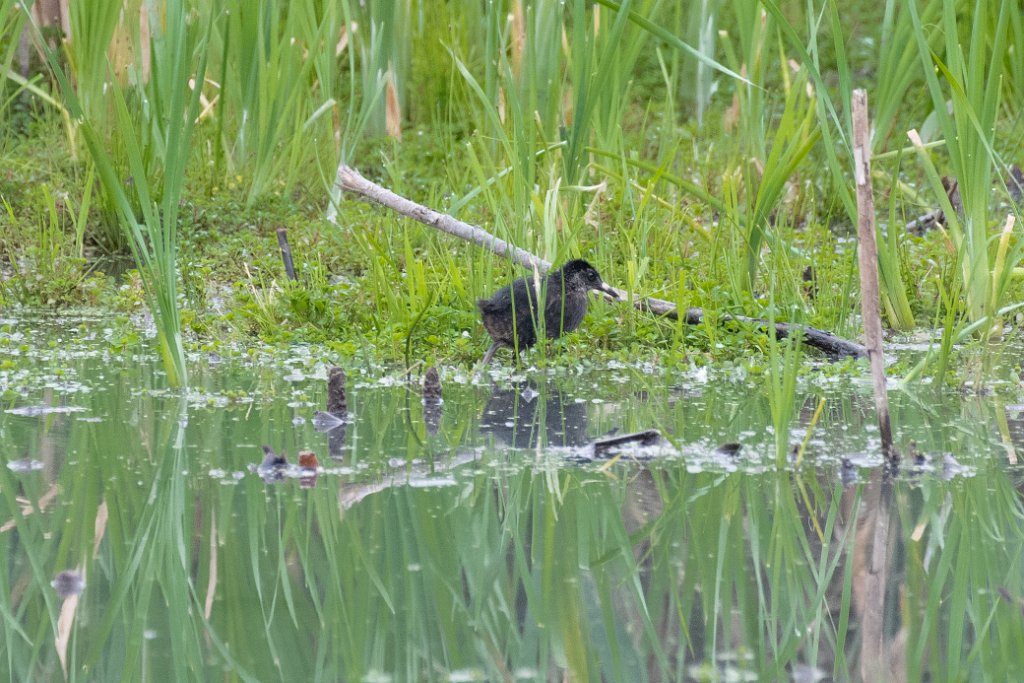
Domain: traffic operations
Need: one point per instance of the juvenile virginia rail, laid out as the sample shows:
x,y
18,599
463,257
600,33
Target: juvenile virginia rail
x,y
511,314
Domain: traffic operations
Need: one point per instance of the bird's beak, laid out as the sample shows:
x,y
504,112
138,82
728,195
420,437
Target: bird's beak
x,y
609,291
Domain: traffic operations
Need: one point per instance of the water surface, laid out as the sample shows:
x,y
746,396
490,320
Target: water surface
x,y
487,538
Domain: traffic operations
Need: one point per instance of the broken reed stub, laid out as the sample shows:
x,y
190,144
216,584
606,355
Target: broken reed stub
x,y
272,460
309,468
286,254
431,386
308,461
336,402
432,401
273,467
867,257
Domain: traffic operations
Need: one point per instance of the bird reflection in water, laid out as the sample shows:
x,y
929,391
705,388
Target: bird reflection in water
x,y
521,417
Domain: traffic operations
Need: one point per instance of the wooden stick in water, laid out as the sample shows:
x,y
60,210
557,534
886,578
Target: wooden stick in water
x,y
867,254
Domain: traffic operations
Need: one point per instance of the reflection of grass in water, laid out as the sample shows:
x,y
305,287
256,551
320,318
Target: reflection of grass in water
x,y
540,567
784,362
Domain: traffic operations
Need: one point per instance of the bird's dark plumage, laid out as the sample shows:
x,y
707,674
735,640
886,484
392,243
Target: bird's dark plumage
x,y
511,315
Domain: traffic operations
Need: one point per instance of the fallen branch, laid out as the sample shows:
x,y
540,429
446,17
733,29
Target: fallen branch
x,y
350,180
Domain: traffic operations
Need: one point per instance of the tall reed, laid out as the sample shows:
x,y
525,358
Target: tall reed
x,y
277,77
12,22
965,83
156,141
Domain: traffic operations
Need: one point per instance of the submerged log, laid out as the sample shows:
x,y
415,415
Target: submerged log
x,y
350,180
648,437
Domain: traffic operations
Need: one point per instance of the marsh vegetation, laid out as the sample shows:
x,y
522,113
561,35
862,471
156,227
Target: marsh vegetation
x,y
700,155
152,341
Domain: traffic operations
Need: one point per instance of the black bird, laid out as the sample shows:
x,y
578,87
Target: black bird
x,y
511,314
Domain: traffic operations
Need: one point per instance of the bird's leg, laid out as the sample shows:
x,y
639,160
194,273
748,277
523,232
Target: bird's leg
x,y
489,356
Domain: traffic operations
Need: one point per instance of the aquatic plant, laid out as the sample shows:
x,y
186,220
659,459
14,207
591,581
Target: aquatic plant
x,y
971,68
156,141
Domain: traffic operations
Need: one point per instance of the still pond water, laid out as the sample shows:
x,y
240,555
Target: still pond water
x,y
487,538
